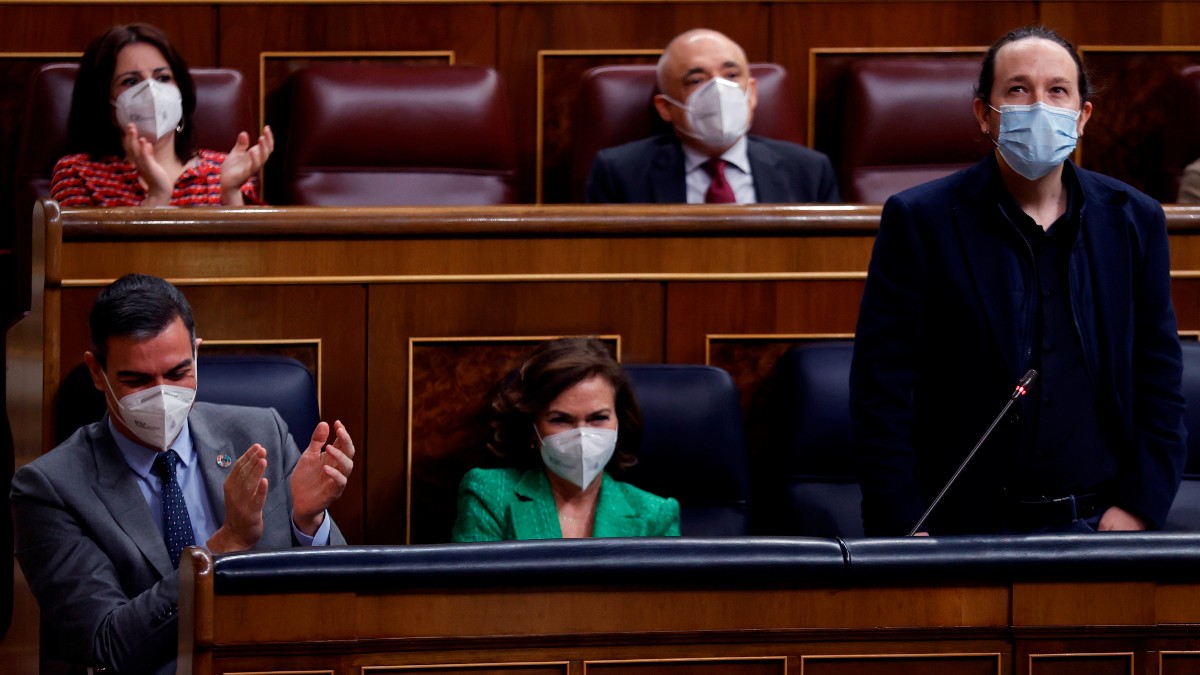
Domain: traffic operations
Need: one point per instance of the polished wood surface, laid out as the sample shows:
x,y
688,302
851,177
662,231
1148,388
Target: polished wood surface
x,y
981,627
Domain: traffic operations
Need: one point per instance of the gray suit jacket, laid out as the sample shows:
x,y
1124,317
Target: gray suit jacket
x,y
93,555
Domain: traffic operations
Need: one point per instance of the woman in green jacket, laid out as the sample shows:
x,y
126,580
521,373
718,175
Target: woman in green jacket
x,y
564,422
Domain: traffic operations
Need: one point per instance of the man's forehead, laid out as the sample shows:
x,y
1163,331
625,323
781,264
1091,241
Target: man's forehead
x,y
705,48
1022,58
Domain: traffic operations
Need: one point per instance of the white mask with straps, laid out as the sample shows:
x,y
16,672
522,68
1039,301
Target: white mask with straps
x,y
579,455
718,112
154,107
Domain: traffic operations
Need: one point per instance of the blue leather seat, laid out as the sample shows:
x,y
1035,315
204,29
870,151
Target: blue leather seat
x,y
810,485
693,446
262,381
1185,512
258,380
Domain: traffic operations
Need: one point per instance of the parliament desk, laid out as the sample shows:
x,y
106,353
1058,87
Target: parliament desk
x,y
1029,605
409,316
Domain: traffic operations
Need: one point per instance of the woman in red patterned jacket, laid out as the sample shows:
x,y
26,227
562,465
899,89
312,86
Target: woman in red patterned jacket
x,y
131,127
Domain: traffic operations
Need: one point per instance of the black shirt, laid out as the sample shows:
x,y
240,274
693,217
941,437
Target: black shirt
x,y
1062,446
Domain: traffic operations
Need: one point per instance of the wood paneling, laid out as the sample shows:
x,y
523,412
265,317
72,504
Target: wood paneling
x,y
903,664
763,666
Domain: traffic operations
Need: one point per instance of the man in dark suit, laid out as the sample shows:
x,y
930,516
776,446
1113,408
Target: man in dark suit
x,y
1021,262
708,96
102,519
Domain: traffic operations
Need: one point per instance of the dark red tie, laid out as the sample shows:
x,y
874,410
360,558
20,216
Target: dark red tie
x,y
719,190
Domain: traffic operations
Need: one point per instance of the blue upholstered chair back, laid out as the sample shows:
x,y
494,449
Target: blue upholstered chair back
x,y
811,483
1185,512
693,446
262,381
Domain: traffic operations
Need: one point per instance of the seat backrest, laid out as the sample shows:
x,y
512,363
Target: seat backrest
x,y
810,486
693,446
257,380
370,134
907,121
1185,511
262,381
616,105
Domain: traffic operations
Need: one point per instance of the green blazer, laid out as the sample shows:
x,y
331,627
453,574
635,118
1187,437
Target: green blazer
x,y
501,504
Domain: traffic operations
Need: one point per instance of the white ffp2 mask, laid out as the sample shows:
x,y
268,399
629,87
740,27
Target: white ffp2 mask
x,y
154,107
579,455
156,414
718,112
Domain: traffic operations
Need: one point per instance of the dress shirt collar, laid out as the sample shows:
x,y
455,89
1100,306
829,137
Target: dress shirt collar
x,y
141,459
737,155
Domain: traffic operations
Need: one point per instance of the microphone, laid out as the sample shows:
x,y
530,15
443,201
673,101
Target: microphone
x,y
1021,389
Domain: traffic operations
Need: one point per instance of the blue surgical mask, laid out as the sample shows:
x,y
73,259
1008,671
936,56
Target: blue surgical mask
x,y
1036,138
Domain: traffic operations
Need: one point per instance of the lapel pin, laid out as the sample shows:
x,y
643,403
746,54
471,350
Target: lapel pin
x,y
224,460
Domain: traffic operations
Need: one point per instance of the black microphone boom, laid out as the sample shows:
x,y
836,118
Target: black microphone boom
x,y
1021,389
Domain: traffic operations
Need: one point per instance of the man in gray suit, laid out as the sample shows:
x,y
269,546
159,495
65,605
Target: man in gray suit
x,y
101,520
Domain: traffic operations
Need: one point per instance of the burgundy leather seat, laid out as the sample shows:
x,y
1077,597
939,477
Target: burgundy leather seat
x,y
906,122
382,134
616,105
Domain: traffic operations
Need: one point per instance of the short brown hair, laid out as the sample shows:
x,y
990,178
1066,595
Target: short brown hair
x,y
552,368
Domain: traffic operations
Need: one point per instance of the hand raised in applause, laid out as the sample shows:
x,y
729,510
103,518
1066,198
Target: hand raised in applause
x,y
243,162
245,494
140,152
320,476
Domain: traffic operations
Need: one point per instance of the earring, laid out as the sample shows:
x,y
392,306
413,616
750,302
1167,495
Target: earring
x,y
179,127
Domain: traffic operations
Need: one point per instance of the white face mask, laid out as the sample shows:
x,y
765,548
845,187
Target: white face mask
x,y
155,415
718,112
579,455
154,107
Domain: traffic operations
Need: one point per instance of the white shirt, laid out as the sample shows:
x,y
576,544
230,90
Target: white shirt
x,y
737,173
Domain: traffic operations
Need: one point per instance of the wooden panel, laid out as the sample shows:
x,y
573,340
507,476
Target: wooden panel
x,y
526,29
473,669
1081,664
1106,603
763,666
902,664
1178,663
632,311
1114,22
697,310
558,611
1177,604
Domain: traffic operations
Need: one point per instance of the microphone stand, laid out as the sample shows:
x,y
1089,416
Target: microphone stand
x,y
1021,389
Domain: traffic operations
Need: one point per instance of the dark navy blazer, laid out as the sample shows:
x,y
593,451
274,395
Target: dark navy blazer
x,y
942,339
650,171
